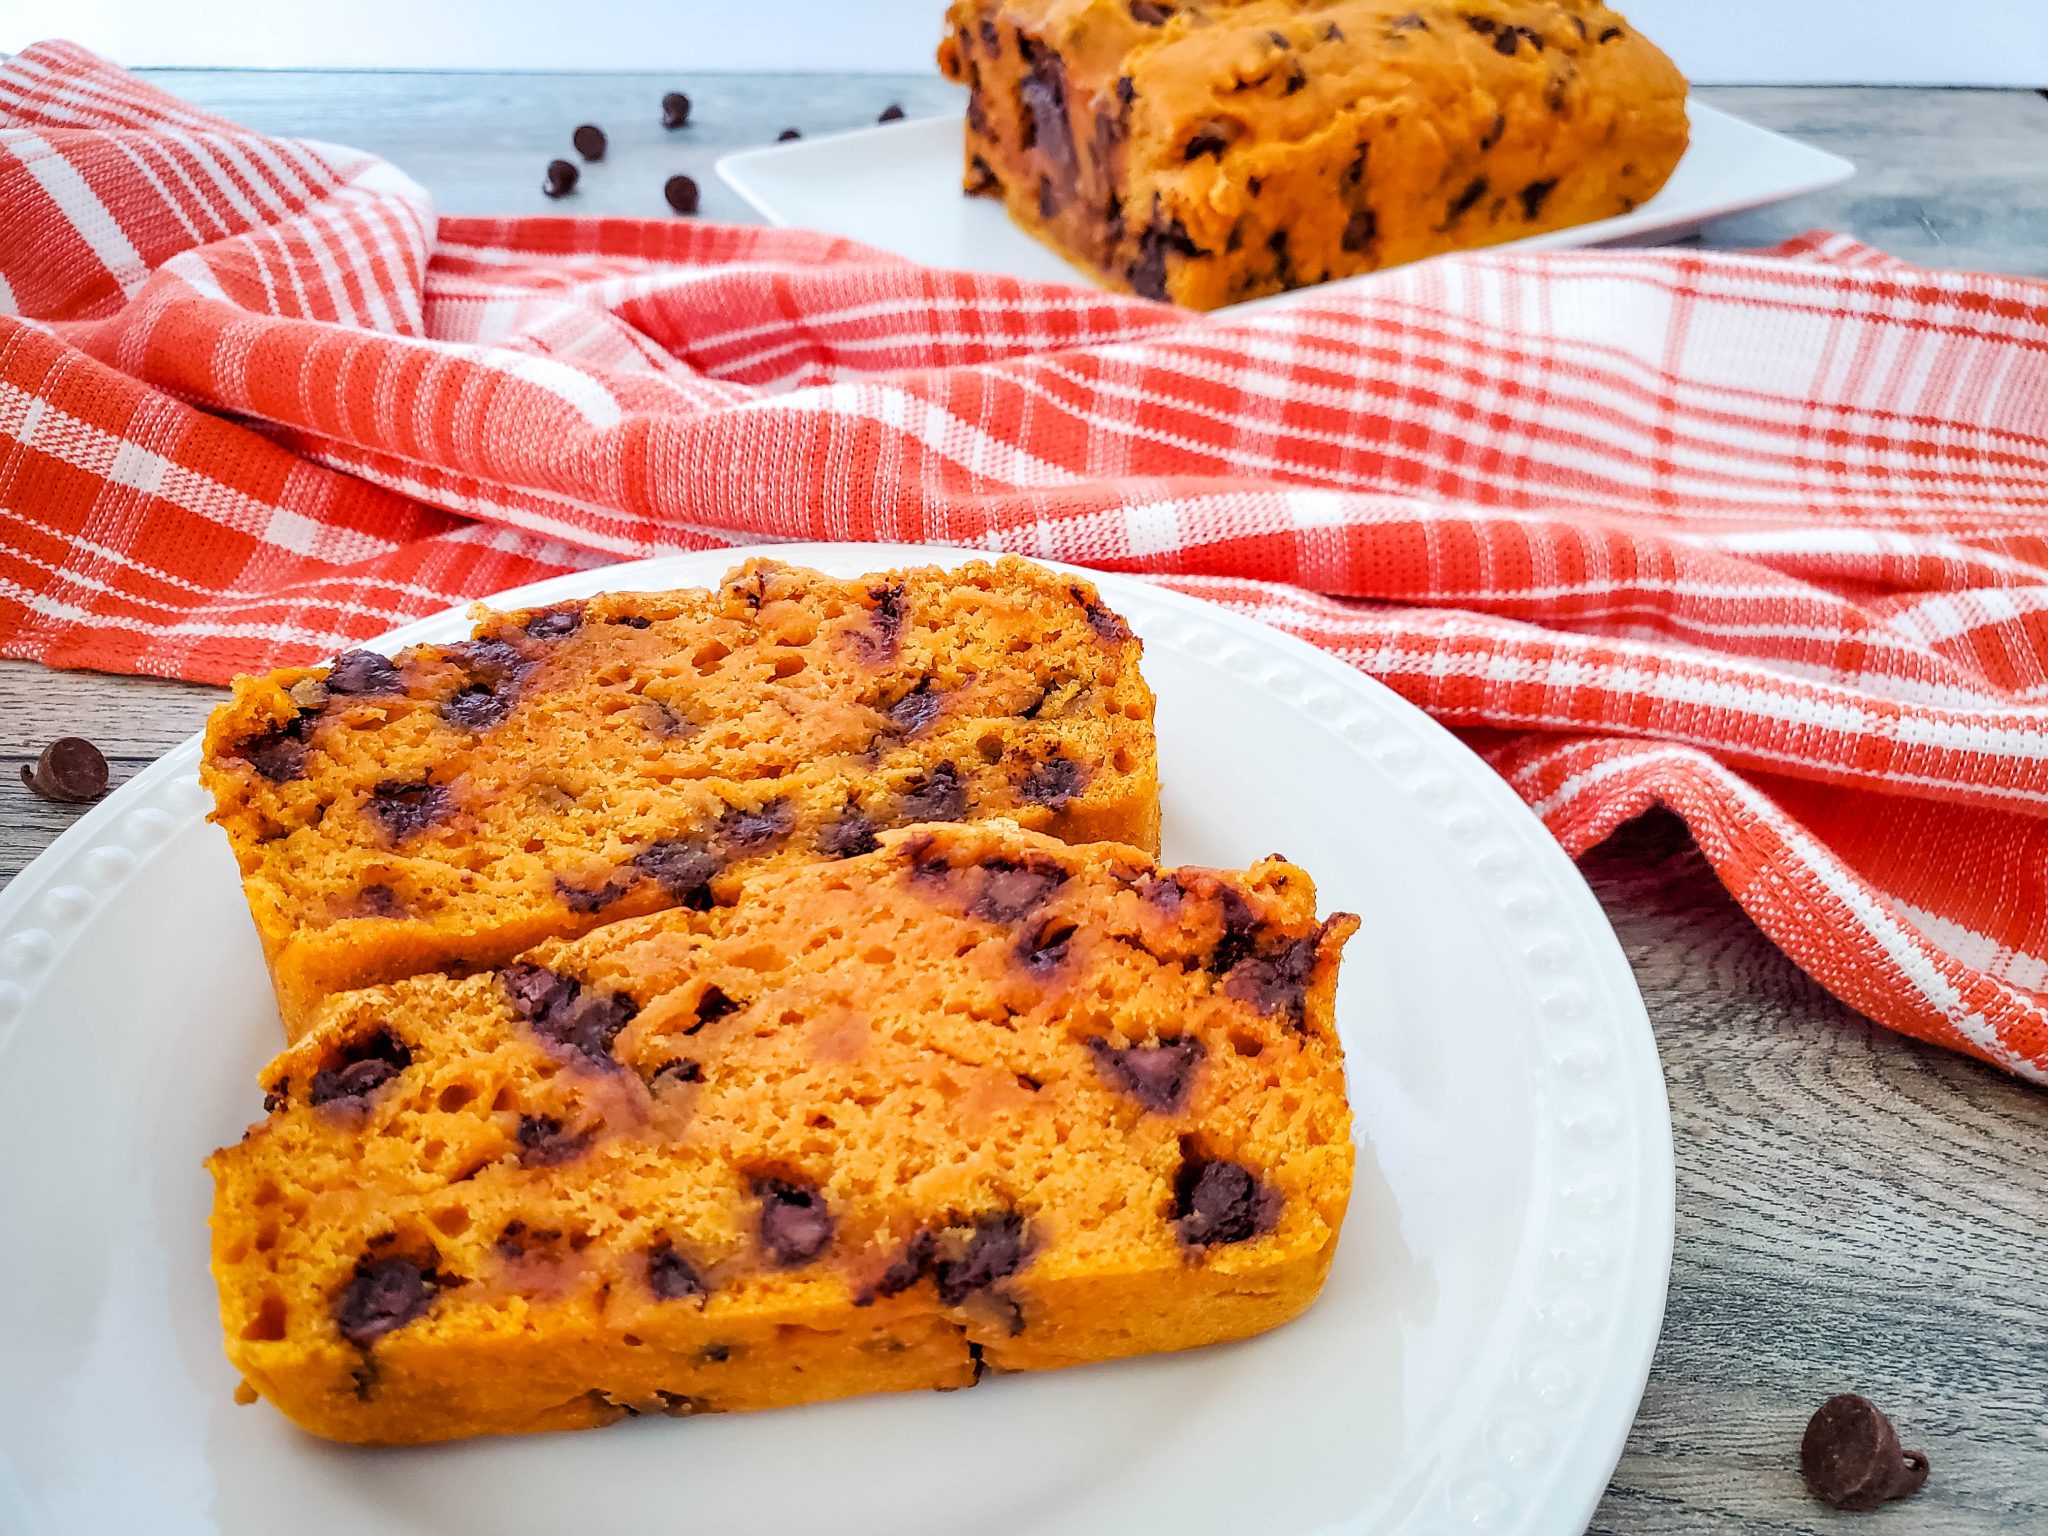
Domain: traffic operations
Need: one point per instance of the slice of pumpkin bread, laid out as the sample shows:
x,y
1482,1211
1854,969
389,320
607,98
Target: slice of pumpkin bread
x,y
977,1098
577,764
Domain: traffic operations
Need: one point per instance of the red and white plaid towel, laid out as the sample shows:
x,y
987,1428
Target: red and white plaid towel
x,y
1761,538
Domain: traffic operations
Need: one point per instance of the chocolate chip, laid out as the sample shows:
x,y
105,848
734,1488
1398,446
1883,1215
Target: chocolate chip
x,y
679,1069
1011,891
1485,26
916,710
675,109
1240,932
1211,138
682,867
1044,950
403,810
1534,196
1851,1456
569,1021
1276,983
1411,22
71,770
892,113
554,623
1216,1201
495,670
1462,203
356,673
715,1354
1580,23
981,178
935,795
1333,33
561,178
544,1144
279,754
1354,173
681,193
1044,95
383,1294
850,836
1150,14
358,1070
378,900
1159,1075
671,1276
1283,259
1048,198
1162,891
1107,625
786,135
745,831
711,1007
1361,230
1505,40
1492,135
1610,34
1297,77
991,39
588,899
1054,782
589,141
1148,278
885,623
961,1259
795,1226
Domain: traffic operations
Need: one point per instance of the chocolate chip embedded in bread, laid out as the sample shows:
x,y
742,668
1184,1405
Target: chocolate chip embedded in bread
x,y
587,899
934,795
1151,13
383,1294
916,710
682,867
356,674
555,623
795,1227
404,810
745,831
671,1276
1218,1201
885,624
1276,983
1107,624
1044,950
1010,891
1534,196
1361,230
358,1069
570,1022
681,1069
544,1143
959,1258
279,754
1053,782
849,836
1159,1075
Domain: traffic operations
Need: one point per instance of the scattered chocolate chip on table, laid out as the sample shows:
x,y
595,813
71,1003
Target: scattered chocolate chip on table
x,y
589,141
70,770
892,113
786,135
675,109
1852,1459
561,178
681,192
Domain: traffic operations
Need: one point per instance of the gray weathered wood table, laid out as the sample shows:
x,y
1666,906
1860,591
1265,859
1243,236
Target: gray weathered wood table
x,y
1854,1210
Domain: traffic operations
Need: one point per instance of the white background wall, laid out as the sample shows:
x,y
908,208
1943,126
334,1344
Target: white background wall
x,y
1942,42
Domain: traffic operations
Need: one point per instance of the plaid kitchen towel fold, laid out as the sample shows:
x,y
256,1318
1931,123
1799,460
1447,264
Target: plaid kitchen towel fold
x,y
1762,538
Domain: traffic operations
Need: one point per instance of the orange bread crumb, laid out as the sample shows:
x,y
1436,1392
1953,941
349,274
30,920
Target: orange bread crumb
x,y
975,1099
587,762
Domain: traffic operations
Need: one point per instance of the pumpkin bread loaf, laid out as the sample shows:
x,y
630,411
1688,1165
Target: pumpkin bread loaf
x,y
586,762
1207,151
977,1099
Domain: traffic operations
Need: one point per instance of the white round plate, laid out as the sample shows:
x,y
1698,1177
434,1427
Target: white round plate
x,y
1473,1365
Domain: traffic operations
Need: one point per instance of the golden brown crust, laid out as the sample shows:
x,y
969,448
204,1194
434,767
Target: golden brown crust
x,y
590,762
1207,151
977,1097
